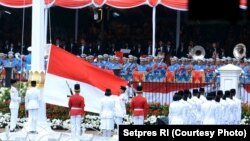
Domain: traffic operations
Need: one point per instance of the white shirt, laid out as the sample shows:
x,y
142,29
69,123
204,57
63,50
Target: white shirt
x,y
196,109
209,112
176,113
32,99
15,99
238,109
107,107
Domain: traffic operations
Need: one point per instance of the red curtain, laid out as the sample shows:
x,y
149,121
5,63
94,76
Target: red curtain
x,y
73,3
125,3
173,4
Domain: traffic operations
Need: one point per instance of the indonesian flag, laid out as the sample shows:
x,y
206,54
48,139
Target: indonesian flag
x,y
64,67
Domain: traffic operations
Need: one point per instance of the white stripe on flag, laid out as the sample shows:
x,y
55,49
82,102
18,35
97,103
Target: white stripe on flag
x,y
56,91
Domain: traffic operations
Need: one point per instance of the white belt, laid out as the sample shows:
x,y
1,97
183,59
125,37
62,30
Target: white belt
x,y
76,108
137,109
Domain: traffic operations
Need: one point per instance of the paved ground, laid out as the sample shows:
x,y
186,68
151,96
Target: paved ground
x,y
95,135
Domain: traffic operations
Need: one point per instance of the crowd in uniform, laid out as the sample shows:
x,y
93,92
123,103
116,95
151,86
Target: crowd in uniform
x,y
155,69
216,108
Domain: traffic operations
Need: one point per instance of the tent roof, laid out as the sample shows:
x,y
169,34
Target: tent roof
x,y
75,4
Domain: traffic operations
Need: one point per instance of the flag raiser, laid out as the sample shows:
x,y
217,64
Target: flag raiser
x,y
64,66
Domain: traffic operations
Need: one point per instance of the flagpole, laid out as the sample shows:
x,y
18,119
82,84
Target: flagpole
x,y
37,71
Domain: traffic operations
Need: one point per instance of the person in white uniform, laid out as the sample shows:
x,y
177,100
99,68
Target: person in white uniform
x,y
120,106
209,112
15,100
32,100
222,108
176,111
238,108
107,114
196,107
230,109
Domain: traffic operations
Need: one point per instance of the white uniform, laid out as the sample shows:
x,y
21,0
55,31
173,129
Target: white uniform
x,y
15,100
120,108
230,109
196,109
177,111
189,115
209,114
222,119
32,100
107,115
238,110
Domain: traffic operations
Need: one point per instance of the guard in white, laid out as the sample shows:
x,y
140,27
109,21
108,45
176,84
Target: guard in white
x,y
177,111
32,100
120,106
15,100
107,114
237,108
209,110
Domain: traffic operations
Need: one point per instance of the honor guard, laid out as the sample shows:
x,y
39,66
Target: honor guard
x,y
139,107
76,105
107,114
15,100
32,100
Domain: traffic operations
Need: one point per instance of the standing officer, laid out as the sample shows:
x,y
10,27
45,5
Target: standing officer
x,y
107,114
120,106
139,106
32,100
15,100
76,105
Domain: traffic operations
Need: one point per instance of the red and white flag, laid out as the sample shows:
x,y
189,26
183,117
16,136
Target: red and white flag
x,y
64,67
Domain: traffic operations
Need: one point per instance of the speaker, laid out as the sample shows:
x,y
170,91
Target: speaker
x,y
162,121
214,10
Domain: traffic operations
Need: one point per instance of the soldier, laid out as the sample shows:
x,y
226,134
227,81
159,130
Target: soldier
x,y
120,106
229,115
139,105
32,100
238,107
14,105
209,112
76,105
196,107
222,105
177,110
107,114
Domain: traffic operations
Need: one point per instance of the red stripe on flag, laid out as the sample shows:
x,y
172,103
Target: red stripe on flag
x,y
67,65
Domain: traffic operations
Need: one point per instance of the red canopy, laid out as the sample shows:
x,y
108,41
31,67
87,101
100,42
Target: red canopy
x,y
173,4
